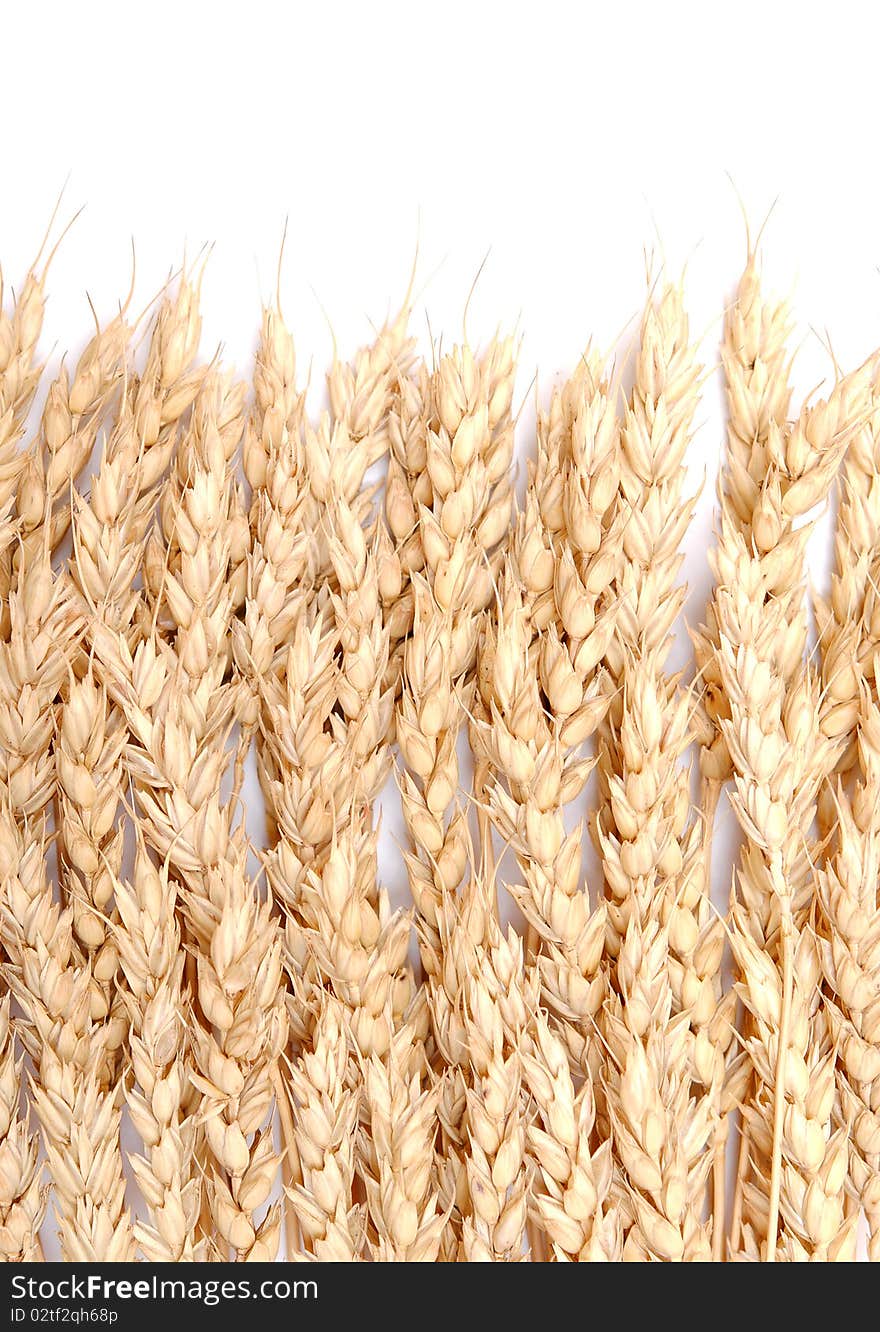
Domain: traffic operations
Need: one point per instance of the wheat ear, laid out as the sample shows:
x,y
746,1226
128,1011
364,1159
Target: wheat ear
x,y
846,620
38,633
148,938
665,984
468,452
320,778
23,1192
308,593
398,1154
325,1118
110,524
548,636
849,942
407,487
571,1197
178,708
20,331
775,474
69,426
358,942
108,534
536,771
756,363
482,977
780,757
239,1031
77,1106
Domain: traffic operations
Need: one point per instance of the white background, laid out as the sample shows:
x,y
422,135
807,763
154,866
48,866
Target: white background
x,y
568,143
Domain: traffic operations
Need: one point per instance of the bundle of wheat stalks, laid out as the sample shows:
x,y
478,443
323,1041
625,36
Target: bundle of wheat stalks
x,y
198,573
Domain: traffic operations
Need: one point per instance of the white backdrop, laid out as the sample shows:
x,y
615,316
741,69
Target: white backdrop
x,y
566,144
